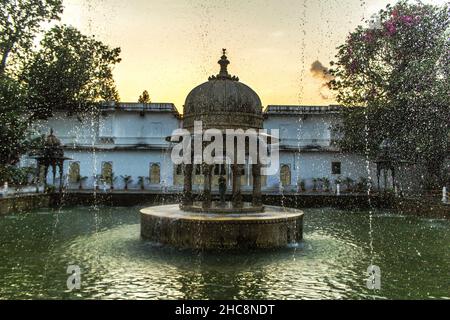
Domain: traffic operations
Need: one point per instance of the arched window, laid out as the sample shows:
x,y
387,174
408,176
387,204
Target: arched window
x,y
178,175
74,172
285,175
155,173
107,171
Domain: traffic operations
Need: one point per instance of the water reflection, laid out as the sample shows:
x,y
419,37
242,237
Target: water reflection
x,y
116,263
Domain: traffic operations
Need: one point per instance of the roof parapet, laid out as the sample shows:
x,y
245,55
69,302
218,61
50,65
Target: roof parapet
x,y
299,109
141,107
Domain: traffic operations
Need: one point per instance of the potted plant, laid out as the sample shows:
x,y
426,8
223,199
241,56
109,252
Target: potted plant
x,y
363,184
113,179
326,184
127,180
320,184
97,181
348,184
80,181
302,186
141,182
315,180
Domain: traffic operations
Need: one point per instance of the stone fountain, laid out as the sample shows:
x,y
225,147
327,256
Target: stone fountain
x,y
201,221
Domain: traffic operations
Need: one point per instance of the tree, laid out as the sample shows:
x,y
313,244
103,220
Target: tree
x,y
13,125
394,77
71,72
144,98
16,138
20,21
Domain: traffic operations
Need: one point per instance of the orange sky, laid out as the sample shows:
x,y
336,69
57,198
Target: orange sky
x,y
169,47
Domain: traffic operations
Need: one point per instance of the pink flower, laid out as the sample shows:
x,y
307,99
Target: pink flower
x,y
368,37
408,20
390,28
353,67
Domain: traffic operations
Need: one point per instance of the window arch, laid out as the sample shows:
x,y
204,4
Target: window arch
x,y
74,172
178,178
285,175
107,171
155,173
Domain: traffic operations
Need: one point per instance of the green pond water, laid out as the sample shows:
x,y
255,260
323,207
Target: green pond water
x,y
331,263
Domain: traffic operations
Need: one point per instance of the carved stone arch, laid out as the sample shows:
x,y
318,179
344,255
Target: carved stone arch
x,y
285,175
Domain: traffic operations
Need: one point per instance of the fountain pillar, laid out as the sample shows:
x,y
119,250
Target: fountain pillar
x,y
257,197
207,171
187,192
237,195
224,103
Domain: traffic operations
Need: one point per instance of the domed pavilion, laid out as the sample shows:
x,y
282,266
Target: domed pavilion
x,y
223,102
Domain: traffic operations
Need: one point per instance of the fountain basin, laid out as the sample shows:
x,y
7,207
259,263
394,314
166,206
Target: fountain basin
x,y
274,228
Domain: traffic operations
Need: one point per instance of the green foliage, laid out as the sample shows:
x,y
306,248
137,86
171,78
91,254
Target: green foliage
x,y
13,123
71,72
16,138
362,185
394,78
326,183
141,181
16,176
127,180
50,189
20,22
349,183
303,185
315,181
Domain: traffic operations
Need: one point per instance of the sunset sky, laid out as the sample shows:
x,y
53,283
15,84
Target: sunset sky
x,y
169,47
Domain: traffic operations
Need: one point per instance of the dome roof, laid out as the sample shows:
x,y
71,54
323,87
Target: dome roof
x,y
223,102
52,141
52,147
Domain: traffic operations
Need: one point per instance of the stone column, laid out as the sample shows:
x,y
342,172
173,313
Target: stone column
x,y
207,172
54,173
237,195
61,171
187,189
257,196
38,172
46,165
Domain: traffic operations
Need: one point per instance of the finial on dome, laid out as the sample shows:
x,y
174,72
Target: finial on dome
x,y
224,62
223,74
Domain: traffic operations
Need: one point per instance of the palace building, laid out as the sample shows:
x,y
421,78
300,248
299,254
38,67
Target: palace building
x,y
125,144
130,140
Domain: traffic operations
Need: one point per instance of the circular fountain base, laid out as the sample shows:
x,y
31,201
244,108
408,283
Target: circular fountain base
x,y
274,228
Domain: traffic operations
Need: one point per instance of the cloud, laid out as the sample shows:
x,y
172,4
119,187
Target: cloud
x,y
319,71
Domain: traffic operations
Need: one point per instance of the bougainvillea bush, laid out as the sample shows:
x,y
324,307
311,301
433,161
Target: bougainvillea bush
x,y
393,75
